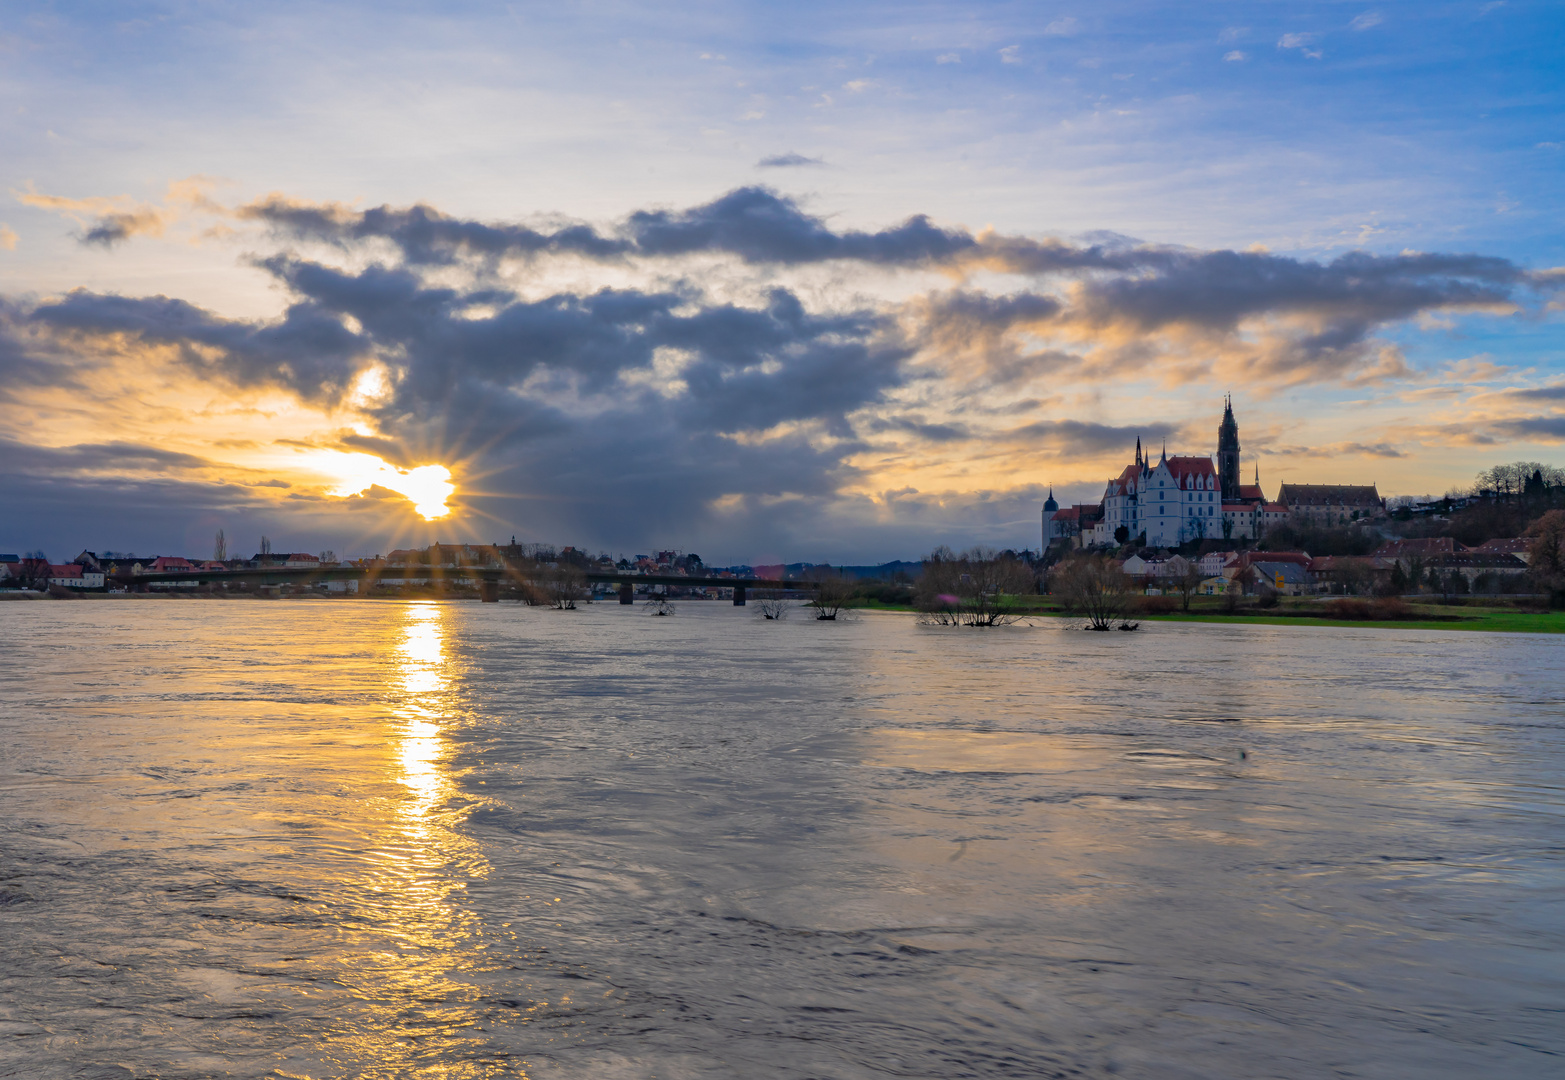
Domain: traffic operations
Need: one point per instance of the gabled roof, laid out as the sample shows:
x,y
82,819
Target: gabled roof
x,y
1292,573
1251,493
1193,465
1299,558
1329,494
1512,546
1425,545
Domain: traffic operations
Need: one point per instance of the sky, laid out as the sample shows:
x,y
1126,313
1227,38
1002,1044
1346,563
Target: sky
x,y
823,282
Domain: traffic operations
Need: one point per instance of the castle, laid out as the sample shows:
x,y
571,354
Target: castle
x,y
1184,498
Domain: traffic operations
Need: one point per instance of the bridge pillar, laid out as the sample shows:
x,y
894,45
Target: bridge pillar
x,y
489,591
627,593
739,596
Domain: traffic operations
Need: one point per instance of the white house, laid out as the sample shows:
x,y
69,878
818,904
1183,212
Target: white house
x,y
75,577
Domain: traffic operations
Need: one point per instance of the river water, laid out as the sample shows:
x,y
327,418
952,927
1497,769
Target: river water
x,y
364,838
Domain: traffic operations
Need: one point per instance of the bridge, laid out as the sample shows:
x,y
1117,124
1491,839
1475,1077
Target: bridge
x,y
489,578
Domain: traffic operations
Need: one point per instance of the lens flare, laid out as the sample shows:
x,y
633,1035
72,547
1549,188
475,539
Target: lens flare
x,y
426,487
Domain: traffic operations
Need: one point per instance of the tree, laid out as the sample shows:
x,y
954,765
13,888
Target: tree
x,y
563,585
833,593
1122,535
1546,551
980,587
1096,587
772,606
1546,554
1188,582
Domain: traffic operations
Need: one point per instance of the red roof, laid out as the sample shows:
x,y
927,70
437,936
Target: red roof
x,y
1069,513
1276,508
1182,467
1251,493
1427,545
71,571
1512,546
1302,558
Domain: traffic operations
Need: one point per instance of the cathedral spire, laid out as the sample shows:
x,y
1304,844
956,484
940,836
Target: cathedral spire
x,y
1138,450
1228,475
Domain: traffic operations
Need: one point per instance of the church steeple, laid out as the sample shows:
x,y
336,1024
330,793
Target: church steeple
x,y
1228,452
1138,451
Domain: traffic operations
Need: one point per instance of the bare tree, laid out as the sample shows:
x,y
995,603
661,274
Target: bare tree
x,y
563,585
1097,588
772,606
980,587
833,593
1187,582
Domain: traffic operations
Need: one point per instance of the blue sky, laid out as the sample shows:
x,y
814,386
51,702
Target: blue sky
x,y
1306,130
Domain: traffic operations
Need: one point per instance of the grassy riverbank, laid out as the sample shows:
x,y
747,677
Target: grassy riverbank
x,y
1305,612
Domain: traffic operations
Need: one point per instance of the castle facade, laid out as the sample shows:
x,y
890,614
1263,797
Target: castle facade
x,y
1185,498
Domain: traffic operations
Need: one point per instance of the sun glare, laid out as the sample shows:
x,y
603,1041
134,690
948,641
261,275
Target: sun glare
x,y
426,487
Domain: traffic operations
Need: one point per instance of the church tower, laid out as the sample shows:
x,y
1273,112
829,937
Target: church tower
x,y
1228,453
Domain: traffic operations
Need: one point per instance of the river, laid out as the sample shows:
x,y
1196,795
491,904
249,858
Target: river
x,y
367,838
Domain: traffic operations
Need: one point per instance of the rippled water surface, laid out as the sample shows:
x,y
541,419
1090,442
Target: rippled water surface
x,y
380,839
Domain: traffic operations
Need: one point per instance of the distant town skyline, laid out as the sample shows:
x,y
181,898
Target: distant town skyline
x,y
836,285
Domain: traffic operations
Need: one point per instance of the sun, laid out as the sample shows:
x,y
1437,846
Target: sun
x,y
427,487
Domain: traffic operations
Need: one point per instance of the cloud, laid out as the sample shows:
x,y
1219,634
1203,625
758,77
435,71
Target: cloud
x,y
111,220
1550,429
1011,54
7,237
1065,27
1367,20
1086,439
1235,56
761,226
788,160
1231,34
1302,43
949,58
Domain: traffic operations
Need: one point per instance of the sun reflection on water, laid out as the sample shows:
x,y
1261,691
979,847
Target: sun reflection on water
x,y
423,861
424,680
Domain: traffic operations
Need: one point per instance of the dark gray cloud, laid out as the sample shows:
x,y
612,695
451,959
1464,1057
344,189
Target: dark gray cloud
x,y
1083,438
788,160
754,223
1123,285
1533,428
1538,393
1217,289
308,350
913,425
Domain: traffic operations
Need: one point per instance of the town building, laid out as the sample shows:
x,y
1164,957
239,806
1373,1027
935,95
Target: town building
x,y
1330,505
74,576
